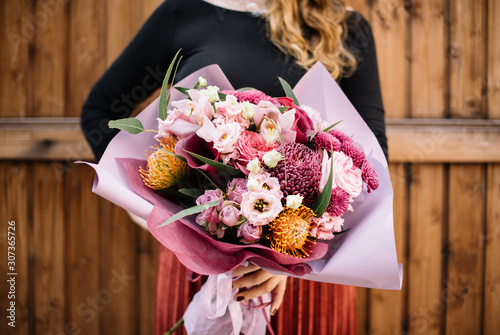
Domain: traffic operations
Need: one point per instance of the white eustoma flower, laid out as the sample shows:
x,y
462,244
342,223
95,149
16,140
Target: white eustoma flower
x,y
271,158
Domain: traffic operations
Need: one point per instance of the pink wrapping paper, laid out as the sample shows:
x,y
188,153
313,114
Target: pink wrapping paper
x,y
364,256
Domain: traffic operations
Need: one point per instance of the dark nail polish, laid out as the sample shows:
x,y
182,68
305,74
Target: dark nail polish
x,y
274,312
239,298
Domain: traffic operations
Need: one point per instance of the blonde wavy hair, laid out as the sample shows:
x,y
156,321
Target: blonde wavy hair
x,y
310,31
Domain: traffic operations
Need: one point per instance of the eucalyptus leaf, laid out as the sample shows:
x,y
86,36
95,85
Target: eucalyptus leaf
x,y
132,125
190,192
163,103
190,211
288,91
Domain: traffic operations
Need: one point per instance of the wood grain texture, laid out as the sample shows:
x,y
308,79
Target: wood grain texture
x,y
117,296
389,21
87,51
14,207
49,58
467,58
427,218
493,87
428,82
49,249
83,251
16,34
491,321
384,302
465,252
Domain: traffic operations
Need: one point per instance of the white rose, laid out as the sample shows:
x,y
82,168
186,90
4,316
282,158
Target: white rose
x,y
254,165
294,201
248,110
271,158
212,93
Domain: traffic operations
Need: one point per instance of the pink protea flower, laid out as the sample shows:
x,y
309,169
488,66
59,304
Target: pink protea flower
x,y
302,167
351,149
339,202
326,141
369,176
252,96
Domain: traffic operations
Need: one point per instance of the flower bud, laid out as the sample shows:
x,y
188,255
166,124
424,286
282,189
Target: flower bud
x,y
271,158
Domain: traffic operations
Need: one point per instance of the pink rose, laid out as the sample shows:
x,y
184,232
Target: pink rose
x,y
229,214
250,232
251,145
345,174
235,189
260,207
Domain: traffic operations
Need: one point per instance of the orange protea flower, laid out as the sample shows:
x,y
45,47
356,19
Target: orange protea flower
x,y
163,169
290,231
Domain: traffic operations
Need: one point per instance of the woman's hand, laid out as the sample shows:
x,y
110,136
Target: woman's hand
x,y
260,283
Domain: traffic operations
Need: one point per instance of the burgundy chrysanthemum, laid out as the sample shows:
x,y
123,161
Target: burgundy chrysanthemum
x,y
299,172
253,96
326,141
339,202
351,149
339,134
369,176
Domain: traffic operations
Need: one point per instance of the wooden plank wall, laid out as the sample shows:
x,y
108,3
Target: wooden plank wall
x,y
84,268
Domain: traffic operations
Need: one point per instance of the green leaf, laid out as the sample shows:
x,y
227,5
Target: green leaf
x,y
330,127
163,103
132,125
190,192
190,211
321,203
222,96
245,89
288,90
175,155
226,171
183,90
283,109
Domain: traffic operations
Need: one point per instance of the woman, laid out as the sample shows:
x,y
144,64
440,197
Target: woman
x,y
253,42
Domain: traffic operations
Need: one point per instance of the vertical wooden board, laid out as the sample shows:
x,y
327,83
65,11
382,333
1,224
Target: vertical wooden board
x,y
87,51
147,263
14,208
425,263
491,307
49,58
116,300
465,263
389,21
82,252
16,34
362,6
428,83
124,19
467,58
48,247
493,88
148,7
362,304
387,308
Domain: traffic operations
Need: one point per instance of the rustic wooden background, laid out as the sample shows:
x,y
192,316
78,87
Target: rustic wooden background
x,y
84,268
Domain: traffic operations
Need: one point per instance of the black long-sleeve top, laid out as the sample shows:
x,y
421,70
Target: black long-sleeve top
x,y
238,43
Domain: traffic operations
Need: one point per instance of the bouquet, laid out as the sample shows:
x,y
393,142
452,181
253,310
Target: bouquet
x,y
238,176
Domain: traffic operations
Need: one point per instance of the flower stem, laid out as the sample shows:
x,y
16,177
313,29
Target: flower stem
x,y
179,323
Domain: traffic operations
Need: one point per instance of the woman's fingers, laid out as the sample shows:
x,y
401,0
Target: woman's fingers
x,y
252,279
278,294
241,270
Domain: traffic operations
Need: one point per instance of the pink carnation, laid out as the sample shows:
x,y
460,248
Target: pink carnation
x,y
326,226
326,141
351,149
370,176
339,202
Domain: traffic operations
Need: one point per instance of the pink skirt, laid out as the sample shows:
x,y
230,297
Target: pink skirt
x,y
308,308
